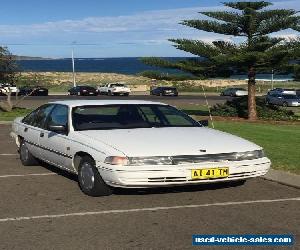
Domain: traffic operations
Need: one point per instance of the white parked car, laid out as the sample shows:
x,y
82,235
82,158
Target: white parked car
x,y
133,144
117,88
6,88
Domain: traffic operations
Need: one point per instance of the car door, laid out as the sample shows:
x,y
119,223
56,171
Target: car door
x,y
273,98
54,144
33,126
277,99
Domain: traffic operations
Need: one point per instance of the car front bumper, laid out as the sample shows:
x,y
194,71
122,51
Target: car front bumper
x,y
159,175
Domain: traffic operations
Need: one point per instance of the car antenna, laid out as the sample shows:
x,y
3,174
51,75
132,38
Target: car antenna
x,y
210,116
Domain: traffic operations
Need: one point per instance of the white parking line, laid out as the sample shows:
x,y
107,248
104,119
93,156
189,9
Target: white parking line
x,y
47,216
26,175
9,154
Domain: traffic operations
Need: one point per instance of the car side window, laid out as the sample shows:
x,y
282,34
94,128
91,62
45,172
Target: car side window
x,y
30,117
41,116
38,117
58,117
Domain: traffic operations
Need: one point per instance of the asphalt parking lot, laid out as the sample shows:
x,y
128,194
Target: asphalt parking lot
x,y
43,208
182,100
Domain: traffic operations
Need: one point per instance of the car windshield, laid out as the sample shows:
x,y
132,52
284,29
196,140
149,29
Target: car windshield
x,y
126,116
88,88
118,85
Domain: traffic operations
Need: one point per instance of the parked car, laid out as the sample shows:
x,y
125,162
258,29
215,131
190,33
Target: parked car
x,y
164,91
285,100
234,92
298,92
133,144
7,87
280,91
33,91
114,89
83,91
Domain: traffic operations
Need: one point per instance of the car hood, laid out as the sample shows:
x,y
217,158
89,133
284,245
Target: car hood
x,y
170,141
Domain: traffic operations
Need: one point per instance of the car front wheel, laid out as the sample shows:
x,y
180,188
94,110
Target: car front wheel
x,y
285,104
89,179
26,157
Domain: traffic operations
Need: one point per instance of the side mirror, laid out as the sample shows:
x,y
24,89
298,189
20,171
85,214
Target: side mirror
x,y
204,123
57,128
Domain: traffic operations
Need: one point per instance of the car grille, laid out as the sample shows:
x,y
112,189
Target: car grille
x,y
182,159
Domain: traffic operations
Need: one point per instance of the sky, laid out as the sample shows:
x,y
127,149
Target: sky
x,y
106,28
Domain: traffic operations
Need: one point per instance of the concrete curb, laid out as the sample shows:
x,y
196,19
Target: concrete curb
x,y
282,177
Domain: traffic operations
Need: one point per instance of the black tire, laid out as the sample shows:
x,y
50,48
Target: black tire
x,y
126,94
284,104
109,93
26,157
89,179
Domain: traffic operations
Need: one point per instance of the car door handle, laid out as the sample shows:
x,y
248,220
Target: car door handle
x,y
25,129
42,134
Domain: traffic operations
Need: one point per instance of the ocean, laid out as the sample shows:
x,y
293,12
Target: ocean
x,y
128,66
124,65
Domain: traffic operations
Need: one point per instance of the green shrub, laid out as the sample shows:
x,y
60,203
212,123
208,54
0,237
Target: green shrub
x,y
238,107
152,74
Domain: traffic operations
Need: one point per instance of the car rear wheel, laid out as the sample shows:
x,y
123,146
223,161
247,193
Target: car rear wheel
x,y
285,104
26,157
89,179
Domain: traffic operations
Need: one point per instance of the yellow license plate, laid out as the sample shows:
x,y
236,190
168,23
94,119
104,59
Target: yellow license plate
x,y
210,173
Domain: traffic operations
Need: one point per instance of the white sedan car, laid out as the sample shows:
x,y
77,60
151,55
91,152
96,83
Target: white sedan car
x,y
133,144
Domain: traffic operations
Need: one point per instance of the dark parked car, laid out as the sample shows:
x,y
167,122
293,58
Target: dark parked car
x,y
83,90
286,100
164,91
234,92
33,91
281,91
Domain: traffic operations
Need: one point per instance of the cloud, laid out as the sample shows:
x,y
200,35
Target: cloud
x,y
141,33
164,20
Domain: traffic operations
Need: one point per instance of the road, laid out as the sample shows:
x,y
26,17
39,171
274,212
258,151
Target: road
x,y
182,100
43,208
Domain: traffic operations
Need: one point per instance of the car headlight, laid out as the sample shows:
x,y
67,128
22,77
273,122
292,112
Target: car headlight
x,y
158,160
250,155
116,160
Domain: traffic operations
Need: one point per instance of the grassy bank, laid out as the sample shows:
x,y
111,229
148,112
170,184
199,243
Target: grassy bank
x,y
62,81
10,116
281,142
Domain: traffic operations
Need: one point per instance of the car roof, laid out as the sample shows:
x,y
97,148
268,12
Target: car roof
x,y
75,103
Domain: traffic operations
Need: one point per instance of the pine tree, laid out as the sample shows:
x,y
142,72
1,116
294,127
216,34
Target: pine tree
x,y
257,51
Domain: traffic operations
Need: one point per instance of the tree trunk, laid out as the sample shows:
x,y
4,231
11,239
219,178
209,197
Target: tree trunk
x,y
252,114
9,102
